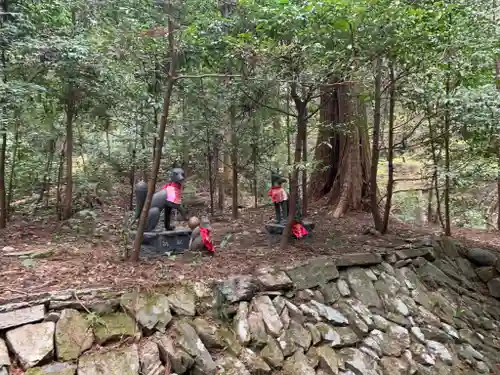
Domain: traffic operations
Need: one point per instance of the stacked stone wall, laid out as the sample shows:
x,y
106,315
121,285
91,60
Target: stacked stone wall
x,y
430,307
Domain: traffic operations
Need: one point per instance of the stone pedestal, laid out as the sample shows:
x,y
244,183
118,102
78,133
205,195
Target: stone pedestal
x,y
164,242
276,229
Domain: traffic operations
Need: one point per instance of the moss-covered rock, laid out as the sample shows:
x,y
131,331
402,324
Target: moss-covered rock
x,y
115,326
151,310
73,336
53,369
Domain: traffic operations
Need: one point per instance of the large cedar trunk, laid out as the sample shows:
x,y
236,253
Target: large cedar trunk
x,y
342,150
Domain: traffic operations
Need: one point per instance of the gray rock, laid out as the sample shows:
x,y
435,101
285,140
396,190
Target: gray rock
x,y
347,336
450,330
275,281
294,312
4,355
285,318
287,343
394,366
114,362
32,343
279,303
315,334
363,288
329,334
358,259
494,287
358,362
230,365
52,316
327,359
254,364
314,273
330,292
374,341
240,288
149,359
169,353
380,322
52,369
467,352
435,334
418,334
272,321
362,310
190,342
22,316
421,355
439,350
300,335
298,364
482,368
330,314
241,325
481,257
396,340
272,353
183,301
151,310
115,326
343,288
73,336
257,328
310,313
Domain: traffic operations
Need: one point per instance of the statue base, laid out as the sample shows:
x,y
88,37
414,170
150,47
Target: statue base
x,y
164,242
275,230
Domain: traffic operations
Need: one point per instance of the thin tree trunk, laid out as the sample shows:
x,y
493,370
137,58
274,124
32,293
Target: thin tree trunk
x,y
435,162
234,163
59,182
390,151
304,171
377,220
498,150
447,227
13,168
68,192
210,174
3,131
159,140
288,130
131,180
294,188
48,171
220,174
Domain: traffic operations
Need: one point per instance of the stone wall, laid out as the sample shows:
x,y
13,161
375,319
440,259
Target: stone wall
x,y
424,308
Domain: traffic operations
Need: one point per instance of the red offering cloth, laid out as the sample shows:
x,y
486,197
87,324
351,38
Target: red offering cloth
x,y
298,230
207,239
174,192
277,194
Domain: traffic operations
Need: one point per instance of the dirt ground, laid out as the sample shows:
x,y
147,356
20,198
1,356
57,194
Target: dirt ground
x,y
78,258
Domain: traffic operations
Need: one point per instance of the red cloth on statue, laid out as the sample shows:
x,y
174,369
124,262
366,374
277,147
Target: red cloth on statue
x,y
174,192
277,194
206,237
298,230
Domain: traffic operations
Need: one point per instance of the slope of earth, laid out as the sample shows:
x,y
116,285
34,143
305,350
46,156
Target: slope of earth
x,y
424,308
39,254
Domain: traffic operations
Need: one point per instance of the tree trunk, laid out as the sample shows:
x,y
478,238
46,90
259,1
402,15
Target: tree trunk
x,y
294,182
219,174
288,134
390,151
498,150
377,220
234,163
159,140
67,206
210,172
343,155
435,165
131,180
13,169
3,132
59,182
304,170
447,120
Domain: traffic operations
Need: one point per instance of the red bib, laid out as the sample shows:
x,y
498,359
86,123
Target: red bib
x,y
174,192
298,230
206,237
277,194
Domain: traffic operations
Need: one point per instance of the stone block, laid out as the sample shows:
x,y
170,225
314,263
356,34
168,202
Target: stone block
x,y
313,273
359,259
22,316
424,252
486,273
164,242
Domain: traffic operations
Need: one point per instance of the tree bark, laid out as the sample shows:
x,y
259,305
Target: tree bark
x,y
234,163
498,149
390,151
294,185
13,169
304,170
67,206
161,135
377,219
447,120
3,133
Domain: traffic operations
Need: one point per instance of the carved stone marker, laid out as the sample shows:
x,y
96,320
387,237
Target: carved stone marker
x,y
164,242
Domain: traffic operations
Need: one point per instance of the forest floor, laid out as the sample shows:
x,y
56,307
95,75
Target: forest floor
x,y
85,253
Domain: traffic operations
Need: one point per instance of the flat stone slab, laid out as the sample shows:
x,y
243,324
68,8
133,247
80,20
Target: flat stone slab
x,y
359,259
22,316
277,229
164,242
413,253
313,273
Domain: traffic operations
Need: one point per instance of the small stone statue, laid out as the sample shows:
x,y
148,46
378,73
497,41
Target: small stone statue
x,y
279,197
201,237
167,198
